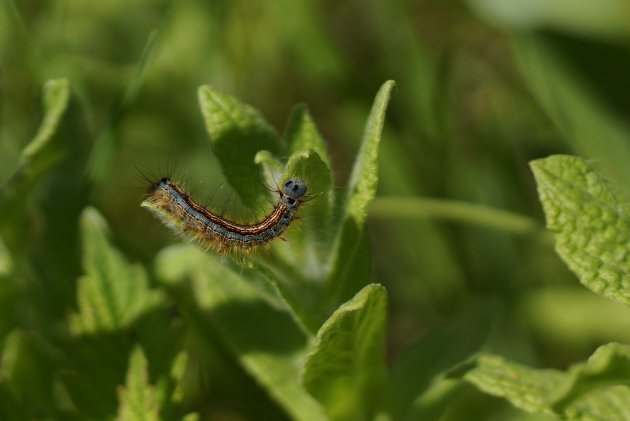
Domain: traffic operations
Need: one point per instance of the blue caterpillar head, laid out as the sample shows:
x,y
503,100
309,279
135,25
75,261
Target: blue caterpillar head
x,y
292,191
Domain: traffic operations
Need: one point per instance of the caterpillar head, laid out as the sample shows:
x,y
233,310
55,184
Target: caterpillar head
x,y
292,192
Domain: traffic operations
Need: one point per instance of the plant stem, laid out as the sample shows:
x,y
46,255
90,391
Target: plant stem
x,y
453,210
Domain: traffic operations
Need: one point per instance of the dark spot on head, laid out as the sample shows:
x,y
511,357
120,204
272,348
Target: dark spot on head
x,y
291,201
294,188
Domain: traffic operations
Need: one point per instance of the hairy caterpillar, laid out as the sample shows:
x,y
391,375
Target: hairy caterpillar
x,y
178,211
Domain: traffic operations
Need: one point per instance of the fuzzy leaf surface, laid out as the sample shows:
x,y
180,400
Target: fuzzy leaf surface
x,y
345,367
361,191
302,134
526,388
237,132
138,398
591,221
112,293
586,389
316,213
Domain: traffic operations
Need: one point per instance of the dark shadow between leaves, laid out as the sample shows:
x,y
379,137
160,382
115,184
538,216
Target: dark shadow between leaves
x,y
255,325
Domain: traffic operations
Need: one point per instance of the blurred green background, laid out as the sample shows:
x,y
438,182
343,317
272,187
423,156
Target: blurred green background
x,y
483,87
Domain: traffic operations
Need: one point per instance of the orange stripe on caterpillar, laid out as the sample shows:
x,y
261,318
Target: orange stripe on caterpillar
x,y
178,211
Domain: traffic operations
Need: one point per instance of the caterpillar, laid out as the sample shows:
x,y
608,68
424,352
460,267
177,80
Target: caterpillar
x,y
178,211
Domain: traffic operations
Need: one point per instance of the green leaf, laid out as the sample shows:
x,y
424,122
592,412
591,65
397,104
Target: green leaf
x,y
298,297
177,372
308,246
313,239
309,165
438,351
610,404
139,399
362,184
44,150
609,365
308,161
257,329
590,219
237,133
35,155
593,387
112,293
345,367
526,388
56,97
302,134
271,166
361,191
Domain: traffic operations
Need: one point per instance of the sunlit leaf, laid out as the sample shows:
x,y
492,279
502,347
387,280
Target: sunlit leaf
x,y
532,390
596,386
345,367
609,365
237,132
360,193
591,220
312,235
302,134
610,404
138,398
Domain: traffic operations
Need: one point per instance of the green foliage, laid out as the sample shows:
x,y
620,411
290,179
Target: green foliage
x,y
237,132
255,325
345,367
360,193
590,218
112,294
588,215
36,158
138,399
276,300
418,281
585,391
